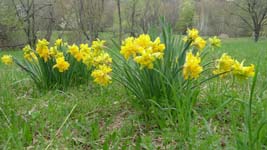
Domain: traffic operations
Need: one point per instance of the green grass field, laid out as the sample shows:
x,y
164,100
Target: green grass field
x,y
91,117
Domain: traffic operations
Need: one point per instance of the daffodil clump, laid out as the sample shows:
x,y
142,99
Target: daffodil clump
x,y
62,64
166,77
194,46
223,66
228,66
198,42
143,50
148,66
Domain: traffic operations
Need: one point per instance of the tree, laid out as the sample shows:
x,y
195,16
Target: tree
x,y
254,14
8,24
26,14
89,17
28,11
150,14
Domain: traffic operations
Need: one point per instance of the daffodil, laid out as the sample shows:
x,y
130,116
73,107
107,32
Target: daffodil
x,y
249,71
58,42
27,48
192,67
59,55
199,43
143,41
145,60
103,58
78,56
157,46
33,56
101,75
185,39
143,50
243,72
224,65
73,49
85,49
158,55
42,49
53,51
75,52
88,60
192,33
215,42
7,59
29,55
98,45
128,48
61,64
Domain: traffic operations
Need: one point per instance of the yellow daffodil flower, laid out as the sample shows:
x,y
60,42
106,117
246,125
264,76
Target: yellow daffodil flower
x,y
101,75
7,59
61,64
192,68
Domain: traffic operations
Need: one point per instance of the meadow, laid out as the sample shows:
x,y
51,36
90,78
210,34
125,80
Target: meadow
x,y
93,117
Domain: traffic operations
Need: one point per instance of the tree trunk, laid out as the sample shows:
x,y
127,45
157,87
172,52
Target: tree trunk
x,y
49,30
81,20
133,19
257,34
119,15
34,31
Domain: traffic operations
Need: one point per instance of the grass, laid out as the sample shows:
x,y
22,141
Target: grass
x,y
90,117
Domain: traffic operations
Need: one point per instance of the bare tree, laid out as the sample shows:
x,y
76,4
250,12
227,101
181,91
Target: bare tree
x,y
150,14
8,24
256,10
27,11
26,15
89,17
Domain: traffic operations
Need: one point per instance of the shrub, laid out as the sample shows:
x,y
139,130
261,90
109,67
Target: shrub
x,y
63,65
